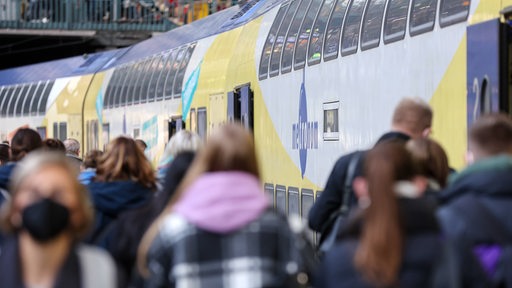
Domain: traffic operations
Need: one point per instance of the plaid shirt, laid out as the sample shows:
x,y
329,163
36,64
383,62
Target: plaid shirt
x,y
262,254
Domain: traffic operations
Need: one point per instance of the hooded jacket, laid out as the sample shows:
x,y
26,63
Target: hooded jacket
x,y
110,199
221,234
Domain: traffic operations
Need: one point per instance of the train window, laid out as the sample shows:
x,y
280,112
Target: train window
x,y
128,82
291,36
19,102
269,190
118,99
423,16
158,68
350,36
115,85
63,131
137,91
267,48
201,123
372,24
316,42
332,38
130,92
275,59
167,85
302,40
12,101
25,107
44,98
161,77
331,124
293,201
396,20
178,82
453,11
108,92
169,88
143,92
5,101
281,199
307,199
3,94
37,98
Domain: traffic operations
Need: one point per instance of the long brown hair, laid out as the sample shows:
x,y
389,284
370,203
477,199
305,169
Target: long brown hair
x,y
229,148
123,160
379,254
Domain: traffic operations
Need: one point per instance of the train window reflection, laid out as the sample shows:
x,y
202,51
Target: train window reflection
x,y
275,59
201,123
167,70
423,16
178,83
120,86
316,42
267,48
159,67
396,20
44,97
372,24
350,36
269,190
14,98
291,37
332,38
302,40
281,199
30,97
130,91
169,88
5,102
454,11
37,97
293,201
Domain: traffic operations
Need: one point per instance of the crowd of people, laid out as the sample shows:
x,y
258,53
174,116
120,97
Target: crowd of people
x,y
396,215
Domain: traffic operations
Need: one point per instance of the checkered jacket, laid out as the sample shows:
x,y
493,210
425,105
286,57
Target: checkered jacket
x,y
262,254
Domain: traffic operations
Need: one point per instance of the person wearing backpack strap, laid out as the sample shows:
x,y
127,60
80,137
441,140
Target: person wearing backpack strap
x,y
476,206
45,219
412,118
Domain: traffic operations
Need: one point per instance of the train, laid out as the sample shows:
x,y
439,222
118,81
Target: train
x,y
313,79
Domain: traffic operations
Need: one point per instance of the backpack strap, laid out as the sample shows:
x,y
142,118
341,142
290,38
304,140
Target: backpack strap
x,y
349,179
98,269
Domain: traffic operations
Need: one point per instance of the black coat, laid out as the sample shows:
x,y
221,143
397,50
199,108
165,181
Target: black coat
x,y
331,198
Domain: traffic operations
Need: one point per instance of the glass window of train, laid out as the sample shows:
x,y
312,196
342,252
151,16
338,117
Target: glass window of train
x,y
201,123
350,37
289,46
293,201
142,76
174,69
267,48
316,41
269,190
396,20
281,198
131,84
115,86
25,109
108,92
44,98
18,107
178,82
3,92
121,84
37,98
372,24
275,58
302,40
130,71
147,78
307,199
15,96
453,11
10,95
7,91
159,87
332,36
167,85
157,70
423,16
63,131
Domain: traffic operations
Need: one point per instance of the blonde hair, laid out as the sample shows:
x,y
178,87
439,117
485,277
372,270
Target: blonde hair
x,y
35,162
230,148
124,160
183,141
413,114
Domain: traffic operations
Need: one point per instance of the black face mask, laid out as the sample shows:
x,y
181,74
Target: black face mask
x,y
45,219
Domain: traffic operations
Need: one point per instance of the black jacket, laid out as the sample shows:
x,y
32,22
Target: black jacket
x,y
331,198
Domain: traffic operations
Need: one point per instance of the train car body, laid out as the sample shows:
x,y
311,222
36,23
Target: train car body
x,y
314,79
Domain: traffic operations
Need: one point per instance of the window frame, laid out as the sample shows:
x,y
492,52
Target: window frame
x,y
296,192
144,87
281,189
161,78
423,28
267,187
19,102
170,62
289,53
300,65
202,110
278,19
5,101
312,62
123,101
137,91
351,50
151,93
25,109
373,43
171,77
12,102
182,69
332,56
283,31
398,36
452,19
34,105
3,93
41,108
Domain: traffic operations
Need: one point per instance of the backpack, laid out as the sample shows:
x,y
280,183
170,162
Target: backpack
x,y
339,217
495,251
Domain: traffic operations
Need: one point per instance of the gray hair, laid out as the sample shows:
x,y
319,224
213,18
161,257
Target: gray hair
x,y
72,146
182,141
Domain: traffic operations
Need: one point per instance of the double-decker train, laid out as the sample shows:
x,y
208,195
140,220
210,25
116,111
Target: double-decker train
x,y
314,79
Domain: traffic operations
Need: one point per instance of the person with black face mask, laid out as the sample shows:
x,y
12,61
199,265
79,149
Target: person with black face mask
x,y
48,214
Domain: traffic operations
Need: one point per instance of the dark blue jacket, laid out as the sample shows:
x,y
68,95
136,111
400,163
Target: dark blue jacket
x,y
110,199
5,176
332,197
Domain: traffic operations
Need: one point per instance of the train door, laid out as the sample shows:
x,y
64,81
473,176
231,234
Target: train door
x,y
175,125
488,68
241,105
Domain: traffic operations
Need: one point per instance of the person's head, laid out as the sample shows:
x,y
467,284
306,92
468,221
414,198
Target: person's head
x,y
413,117
51,144
141,144
72,146
47,199
182,141
389,173
92,158
5,153
491,135
430,159
24,141
123,160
